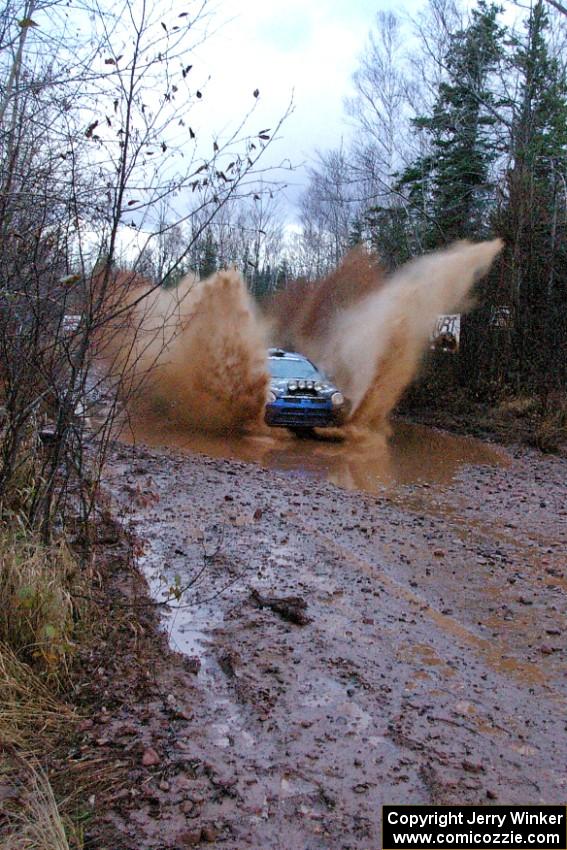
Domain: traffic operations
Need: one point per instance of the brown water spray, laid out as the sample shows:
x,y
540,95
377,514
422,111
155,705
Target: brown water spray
x,y
201,351
373,347
201,348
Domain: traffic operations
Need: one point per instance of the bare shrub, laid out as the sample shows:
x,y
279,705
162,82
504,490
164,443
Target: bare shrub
x,y
97,159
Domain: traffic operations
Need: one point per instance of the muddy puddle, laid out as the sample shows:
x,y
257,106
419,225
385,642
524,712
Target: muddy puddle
x,y
413,454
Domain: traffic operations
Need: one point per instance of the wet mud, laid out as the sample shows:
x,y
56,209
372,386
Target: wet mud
x,y
426,660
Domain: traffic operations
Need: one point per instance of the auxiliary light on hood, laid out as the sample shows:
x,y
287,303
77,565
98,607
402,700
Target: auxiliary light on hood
x,y
313,386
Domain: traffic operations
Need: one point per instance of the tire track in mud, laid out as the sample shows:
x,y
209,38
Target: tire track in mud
x,y
524,672
404,687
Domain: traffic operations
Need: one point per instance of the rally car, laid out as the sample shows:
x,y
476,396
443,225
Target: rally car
x,y
301,397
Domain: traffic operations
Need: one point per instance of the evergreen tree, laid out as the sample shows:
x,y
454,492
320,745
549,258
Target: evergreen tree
x,y
261,284
283,274
173,278
450,187
208,261
356,235
532,218
390,230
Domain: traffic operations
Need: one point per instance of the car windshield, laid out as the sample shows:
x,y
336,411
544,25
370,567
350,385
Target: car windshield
x,y
287,367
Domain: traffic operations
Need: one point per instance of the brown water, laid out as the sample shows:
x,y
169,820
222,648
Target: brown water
x,y
413,454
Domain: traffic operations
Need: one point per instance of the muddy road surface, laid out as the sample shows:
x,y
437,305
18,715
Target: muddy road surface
x,y
400,638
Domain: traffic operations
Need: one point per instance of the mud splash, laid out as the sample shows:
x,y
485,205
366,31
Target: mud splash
x,y
373,346
197,355
199,351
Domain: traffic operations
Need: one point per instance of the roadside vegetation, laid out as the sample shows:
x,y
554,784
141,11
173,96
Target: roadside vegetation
x,y
40,626
538,420
97,171
45,624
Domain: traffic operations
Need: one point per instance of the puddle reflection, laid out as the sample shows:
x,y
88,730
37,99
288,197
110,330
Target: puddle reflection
x,y
413,454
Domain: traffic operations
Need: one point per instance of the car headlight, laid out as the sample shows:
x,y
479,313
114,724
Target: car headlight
x,y
292,386
337,399
319,386
301,385
310,385
271,397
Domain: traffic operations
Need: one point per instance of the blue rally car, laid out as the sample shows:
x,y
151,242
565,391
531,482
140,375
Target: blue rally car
x,y
301,397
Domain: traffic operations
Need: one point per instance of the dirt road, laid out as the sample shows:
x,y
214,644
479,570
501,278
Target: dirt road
x,y
420,659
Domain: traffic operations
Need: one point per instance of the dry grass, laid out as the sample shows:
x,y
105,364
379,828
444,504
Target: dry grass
x,y
33,819
32,719
533,420
519,407
551,433
29,711
36,640
36,603
544,417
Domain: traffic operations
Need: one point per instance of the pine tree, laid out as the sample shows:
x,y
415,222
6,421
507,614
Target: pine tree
x,y
390,230
283,273
450,188
208,262
532,218
356,234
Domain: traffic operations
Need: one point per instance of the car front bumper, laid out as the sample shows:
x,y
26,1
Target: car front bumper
x,y
303,412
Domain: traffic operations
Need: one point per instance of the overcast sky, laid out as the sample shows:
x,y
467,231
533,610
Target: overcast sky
x,y
305,48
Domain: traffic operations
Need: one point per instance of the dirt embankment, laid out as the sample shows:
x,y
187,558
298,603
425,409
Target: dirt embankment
x,y
341,650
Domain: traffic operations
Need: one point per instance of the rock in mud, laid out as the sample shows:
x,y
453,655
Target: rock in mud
x,y
290,608
209,834
472,767
229,660
190,838
150,758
